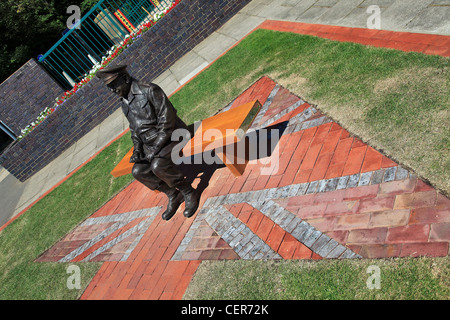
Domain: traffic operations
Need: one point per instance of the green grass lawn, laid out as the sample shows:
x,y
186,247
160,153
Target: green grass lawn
x,y
399,279
395,101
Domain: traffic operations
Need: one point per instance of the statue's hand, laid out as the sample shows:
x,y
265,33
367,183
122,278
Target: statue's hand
x,y
136,157
149,156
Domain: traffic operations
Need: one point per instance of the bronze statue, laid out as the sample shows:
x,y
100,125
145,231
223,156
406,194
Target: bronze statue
x,y
152,120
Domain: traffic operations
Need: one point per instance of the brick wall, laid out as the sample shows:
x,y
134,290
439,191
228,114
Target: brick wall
x,y
159,48
25,94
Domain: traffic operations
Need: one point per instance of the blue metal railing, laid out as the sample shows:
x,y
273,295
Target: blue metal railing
x,y
84,45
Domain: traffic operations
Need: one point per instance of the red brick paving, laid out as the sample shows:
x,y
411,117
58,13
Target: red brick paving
x,y
399,218
391,219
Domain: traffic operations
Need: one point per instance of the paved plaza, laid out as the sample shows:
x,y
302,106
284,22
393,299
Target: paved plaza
x,y
330,197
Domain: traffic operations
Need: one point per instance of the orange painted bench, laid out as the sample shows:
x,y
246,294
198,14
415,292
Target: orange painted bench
x,y
232,125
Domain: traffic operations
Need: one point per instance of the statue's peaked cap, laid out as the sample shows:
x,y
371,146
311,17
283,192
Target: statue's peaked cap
x,y
109,74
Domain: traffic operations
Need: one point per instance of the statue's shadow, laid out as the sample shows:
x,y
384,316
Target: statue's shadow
x,y
262,143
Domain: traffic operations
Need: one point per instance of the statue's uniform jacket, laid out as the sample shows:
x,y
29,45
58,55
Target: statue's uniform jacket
x,y
152,120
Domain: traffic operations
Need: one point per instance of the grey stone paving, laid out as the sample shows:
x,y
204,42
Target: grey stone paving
x,y
120,220
249,246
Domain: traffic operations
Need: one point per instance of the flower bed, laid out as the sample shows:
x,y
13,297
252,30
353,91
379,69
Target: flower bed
x,y
115,51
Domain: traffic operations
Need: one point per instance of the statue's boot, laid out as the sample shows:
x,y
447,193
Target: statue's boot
x,y
191,198
175,200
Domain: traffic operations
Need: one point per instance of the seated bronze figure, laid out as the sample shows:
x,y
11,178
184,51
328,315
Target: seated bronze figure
x,y
152,120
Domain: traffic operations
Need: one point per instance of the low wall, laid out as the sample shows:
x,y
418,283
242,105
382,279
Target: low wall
x,y
158,49
25,94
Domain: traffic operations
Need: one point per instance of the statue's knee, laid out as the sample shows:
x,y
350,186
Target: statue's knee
x,y
156,165
136,172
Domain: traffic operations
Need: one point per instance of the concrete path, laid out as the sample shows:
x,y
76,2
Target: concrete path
x,y
420,16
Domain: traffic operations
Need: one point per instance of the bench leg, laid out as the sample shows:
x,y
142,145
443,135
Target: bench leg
x,y
235,157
